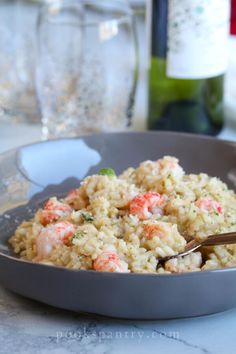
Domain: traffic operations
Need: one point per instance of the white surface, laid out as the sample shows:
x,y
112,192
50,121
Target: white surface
x,y
28,327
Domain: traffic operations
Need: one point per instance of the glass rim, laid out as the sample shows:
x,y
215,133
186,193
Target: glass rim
x,y
126,11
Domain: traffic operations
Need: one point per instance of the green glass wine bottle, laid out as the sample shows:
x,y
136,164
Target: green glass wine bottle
x,y
189,45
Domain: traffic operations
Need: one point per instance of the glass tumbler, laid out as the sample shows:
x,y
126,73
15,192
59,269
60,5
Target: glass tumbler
x,y
87,66
17,61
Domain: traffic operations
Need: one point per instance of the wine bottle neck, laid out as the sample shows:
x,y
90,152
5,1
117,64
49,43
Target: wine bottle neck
x,y
159,28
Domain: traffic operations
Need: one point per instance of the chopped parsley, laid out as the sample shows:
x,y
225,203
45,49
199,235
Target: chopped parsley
x,y
107,172
87,217
78,235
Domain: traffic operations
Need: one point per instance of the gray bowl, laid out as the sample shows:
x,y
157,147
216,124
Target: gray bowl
x,y
32,173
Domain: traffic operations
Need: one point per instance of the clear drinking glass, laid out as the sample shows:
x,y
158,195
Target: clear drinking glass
x,y
17,61
87,66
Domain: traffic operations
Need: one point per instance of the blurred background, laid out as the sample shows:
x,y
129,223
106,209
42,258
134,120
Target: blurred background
x,y
27,46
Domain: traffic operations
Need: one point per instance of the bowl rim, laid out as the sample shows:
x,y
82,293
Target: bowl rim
x,y
146,132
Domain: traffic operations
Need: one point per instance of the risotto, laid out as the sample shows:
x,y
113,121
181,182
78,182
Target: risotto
x,y
126,223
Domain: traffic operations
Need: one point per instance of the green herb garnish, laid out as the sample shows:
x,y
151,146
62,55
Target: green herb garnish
x,y
78,234
87,217
107,172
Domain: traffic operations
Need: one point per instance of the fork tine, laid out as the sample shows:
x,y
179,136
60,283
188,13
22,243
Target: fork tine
x,y
212,240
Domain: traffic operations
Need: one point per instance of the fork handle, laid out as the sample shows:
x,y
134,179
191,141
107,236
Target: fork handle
x,y
221,239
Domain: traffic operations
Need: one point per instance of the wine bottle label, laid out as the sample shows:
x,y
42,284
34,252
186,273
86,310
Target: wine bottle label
x,y
198,32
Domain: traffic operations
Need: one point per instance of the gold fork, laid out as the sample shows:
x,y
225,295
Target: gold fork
x,y
212,240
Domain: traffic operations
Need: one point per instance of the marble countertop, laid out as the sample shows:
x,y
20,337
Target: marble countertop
x,y
30,327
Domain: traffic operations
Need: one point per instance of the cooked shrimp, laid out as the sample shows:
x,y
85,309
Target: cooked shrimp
x,y
108,261
54,210
76,199
160,229
147,204
209,204
52,235
170,165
